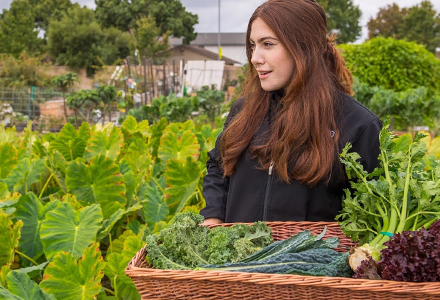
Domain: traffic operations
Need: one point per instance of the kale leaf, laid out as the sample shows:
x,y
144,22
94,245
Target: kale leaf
x,y
185,244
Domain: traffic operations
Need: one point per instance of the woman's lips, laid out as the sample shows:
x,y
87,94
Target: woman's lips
x,y
263,74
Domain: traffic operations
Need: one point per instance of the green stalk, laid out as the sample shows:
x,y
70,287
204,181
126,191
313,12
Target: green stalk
x,y
27,257
404,212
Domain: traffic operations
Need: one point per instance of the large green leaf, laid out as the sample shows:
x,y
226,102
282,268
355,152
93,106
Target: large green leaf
x,y
56,164
138,156
179,148
107,144
25,174
70,143
116,265
65,229
133,131
8,135
156,134
182,181
4,270
22,287
8,159
32,212
28,137
9,237
68,279
4,192
155,208
100,181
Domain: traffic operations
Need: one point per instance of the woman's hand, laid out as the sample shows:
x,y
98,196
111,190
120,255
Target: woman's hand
x,y
211,221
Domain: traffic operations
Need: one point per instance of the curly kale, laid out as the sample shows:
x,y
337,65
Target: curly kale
x,y
412,256
184,244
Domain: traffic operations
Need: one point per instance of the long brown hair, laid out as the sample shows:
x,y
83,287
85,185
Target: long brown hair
x,y
304,133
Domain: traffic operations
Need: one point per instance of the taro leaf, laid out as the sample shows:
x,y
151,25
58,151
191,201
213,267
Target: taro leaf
x,y
8,159
32,212
130,180
121,283
117,246
155,208
138,157
68,279
8,203
179,127
116,265
174,147
28,138
107,144
108,224
8,135
65,229
97,182
9,237
133,131
110,207
70,143
71,200
34,270
20,285
156,134
134,226
434,147
25,174
182,181
56,164
4,192
3,272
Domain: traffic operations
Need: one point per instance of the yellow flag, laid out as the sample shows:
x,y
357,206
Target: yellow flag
x,y
220,52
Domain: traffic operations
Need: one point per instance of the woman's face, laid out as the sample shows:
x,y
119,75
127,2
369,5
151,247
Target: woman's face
x,y
274,64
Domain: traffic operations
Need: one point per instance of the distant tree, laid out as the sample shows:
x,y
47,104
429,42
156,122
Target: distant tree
x,y
419,23
17,32
149,42
78,41
170,16
46,10
392,64
64,83
343,19
109,96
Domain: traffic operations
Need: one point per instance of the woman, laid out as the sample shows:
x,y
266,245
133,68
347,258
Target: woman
x,y
277,158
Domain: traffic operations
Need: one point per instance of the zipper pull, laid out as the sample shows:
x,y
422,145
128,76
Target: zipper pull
x,y
271,167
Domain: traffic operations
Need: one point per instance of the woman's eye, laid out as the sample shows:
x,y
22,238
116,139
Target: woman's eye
x,y
267,44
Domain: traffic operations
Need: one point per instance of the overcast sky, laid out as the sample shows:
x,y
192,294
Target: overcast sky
x,y
234,14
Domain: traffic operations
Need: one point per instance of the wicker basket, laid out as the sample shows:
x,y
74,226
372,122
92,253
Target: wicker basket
x,y
180,284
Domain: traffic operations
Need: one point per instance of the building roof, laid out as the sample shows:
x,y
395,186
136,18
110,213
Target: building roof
x,y
209,54
211,39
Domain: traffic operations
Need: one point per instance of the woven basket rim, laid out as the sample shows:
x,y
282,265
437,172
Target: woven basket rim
x,y
134,271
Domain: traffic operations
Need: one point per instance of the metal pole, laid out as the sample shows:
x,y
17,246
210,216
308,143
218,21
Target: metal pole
x,y
218,36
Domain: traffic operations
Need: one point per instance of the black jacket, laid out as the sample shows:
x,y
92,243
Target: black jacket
x,y
251,194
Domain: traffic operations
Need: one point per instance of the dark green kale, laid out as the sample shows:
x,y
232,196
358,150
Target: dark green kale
x,y
185,244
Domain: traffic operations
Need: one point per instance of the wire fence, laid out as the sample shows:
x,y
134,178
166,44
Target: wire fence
x,y
20,105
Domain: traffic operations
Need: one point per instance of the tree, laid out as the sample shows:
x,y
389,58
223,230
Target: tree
x,y
64,83
78,41
109,96
47,10
393,64
170,16
149,42
419,23
343,18
17,32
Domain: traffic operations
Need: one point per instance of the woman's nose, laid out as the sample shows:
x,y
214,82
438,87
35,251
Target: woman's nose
x,y
257,58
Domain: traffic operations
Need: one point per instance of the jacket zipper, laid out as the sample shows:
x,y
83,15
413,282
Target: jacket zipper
x,y
267,193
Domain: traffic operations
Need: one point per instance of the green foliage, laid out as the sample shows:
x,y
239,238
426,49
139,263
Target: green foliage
x,y
343,18
412,107
21,287
47,10
398,195
169,15
184,244
149,39
393,64
17,32
418,23
210,101
93,184
78,41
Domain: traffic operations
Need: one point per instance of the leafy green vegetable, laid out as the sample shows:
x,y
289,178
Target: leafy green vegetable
x,y
399,195
184,244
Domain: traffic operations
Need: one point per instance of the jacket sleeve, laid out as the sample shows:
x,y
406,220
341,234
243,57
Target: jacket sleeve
x,y
367,145
215,184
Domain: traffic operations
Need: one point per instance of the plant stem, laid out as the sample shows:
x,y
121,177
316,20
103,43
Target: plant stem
x,y
109,291
45,185
27,257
